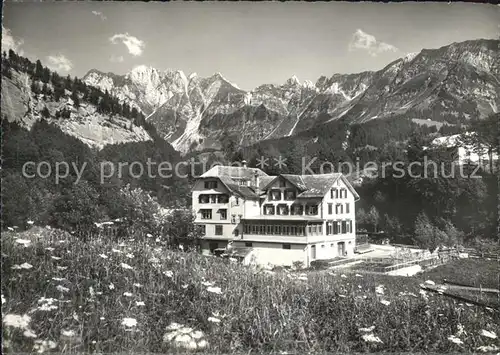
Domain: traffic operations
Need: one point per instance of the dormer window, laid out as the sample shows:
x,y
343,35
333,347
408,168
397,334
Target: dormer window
x,y
290,195
312,210
297,210
204,199
282,210
223,198
268,209
275,195
210,184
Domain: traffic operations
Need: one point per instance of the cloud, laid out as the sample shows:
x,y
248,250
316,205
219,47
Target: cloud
x,y
59,63
99,14
135,46
116,59
364,41
9,42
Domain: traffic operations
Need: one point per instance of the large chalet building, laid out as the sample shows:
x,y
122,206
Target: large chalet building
x,y
276,220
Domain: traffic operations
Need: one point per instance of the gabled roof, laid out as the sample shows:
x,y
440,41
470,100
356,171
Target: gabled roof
x,y
311,186
234,187
319,184
237,172
231,175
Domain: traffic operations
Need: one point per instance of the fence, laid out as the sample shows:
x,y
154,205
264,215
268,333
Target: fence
x,y
424,262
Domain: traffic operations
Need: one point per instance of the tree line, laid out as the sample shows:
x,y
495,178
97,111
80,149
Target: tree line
x,y
54,87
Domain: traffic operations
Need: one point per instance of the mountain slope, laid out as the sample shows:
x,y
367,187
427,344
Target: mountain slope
x,y
451,84
82,120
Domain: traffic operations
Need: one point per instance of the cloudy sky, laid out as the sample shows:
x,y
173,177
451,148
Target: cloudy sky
x,y
249,43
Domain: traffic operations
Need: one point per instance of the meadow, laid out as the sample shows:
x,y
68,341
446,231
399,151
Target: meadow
x,y
60,294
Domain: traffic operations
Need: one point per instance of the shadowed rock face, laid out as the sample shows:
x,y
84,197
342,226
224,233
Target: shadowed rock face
x,y
451,84
95,129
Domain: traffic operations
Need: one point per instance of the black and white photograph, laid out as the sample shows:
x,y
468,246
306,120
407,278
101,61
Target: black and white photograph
x,y
250,177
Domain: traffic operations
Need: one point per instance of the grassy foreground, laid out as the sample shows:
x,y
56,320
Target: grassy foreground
x,y
64,295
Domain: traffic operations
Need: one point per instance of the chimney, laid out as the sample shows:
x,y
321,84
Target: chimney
x,y
244,162
256,179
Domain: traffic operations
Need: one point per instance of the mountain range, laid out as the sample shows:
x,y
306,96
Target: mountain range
x,y
452,84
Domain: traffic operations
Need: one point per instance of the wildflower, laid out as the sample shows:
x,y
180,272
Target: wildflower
x,y
102,318
207,283
130,256
116,251
157,240
424,295
25,266
216,290
46,304
49,249
127,294
42,345
488,348
55,257
24,242
460,330
370,338
17,321
10,228
455,340
122,244
129,322
28,333
68,333
185,286
139,303
174,326
367,330
342,296
379,289
61,268
154,260
58,278
104,256
30,222
385,302
441,289
149,235
3,299
168,273
358,275
302,278
488,334
61,288
213,320
126,266
343,276
137,285
111,286
360,287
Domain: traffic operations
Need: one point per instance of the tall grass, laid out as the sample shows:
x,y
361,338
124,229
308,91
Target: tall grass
x,y
257,310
